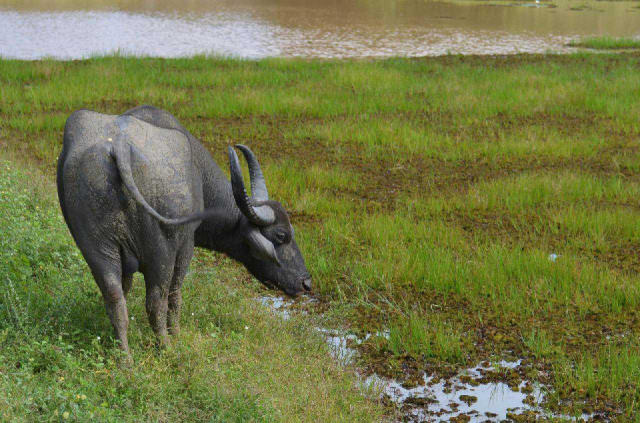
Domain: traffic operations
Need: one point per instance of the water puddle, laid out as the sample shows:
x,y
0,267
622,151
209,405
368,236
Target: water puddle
x,y
476,394
338,342
464,395
277,305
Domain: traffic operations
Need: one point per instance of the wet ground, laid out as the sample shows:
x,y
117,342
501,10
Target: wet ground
x,y
485,392
305,28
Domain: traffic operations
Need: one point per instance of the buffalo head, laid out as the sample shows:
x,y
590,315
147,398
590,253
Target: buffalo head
x,y
270,251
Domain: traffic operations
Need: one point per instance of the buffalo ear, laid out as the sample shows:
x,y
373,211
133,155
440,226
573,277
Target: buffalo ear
x,y
261,247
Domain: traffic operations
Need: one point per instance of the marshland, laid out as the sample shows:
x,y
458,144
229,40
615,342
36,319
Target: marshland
x,y
456,212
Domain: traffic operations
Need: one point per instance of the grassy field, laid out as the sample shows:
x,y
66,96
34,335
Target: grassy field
x,y
234,362
607,43
428,196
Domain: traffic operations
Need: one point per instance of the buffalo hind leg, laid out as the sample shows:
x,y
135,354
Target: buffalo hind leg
x,y
157,283
175,290
110,284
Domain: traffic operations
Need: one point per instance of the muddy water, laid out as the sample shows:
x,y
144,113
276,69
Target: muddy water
x,y
469,394
304,28
442,400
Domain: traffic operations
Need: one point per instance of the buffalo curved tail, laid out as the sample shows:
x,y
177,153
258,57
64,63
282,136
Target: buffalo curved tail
x,y
121,154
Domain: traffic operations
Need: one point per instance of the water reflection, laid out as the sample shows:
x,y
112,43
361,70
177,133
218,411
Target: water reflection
x,y
434,399
304,28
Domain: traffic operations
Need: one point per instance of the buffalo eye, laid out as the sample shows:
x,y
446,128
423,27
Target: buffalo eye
x,y
281,237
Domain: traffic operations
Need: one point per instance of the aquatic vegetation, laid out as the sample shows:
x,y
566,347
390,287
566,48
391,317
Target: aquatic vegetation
x,y
607,43
426,336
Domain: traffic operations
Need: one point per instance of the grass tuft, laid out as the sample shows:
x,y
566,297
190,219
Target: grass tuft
x,y
426,336
607,43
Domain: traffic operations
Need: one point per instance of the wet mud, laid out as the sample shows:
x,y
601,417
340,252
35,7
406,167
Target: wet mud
x,y
489,391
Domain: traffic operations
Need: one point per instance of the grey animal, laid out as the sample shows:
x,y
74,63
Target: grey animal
x,y
138,192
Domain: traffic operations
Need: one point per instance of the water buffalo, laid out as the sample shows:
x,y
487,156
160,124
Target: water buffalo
x,y
138,192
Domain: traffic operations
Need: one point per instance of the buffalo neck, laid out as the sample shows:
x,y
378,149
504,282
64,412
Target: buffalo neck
x,y
219,233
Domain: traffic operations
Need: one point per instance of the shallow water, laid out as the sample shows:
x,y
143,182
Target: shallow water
x,y
277,305
444,398
434,400
304,28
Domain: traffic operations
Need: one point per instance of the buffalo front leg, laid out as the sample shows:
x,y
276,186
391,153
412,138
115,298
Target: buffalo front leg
x,y
157,284
175,291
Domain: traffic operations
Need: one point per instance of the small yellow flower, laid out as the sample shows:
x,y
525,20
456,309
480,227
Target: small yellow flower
x,y
65,415
83,397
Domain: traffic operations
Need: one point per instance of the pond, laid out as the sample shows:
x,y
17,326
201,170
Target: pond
x,y
305,28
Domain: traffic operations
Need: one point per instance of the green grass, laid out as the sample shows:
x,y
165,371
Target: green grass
x,y
233,362
427,194
428,336
607,43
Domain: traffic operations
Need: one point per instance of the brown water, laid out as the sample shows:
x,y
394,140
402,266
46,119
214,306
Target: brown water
x,y
304,28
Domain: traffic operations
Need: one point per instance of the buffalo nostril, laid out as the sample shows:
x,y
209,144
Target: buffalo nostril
x,y
306,284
